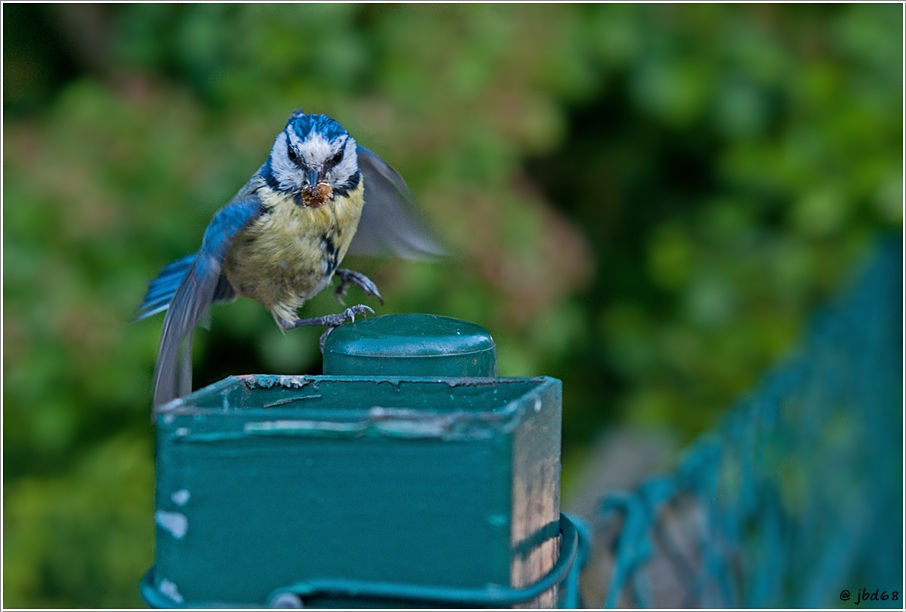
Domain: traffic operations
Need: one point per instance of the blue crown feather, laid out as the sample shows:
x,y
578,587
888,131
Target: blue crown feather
x,y
303,125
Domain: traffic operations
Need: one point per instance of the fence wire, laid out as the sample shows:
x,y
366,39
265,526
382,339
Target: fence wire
x,y
797,498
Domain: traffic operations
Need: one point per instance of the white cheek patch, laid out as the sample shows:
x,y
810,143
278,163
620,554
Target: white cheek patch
x,y
341,173
288,175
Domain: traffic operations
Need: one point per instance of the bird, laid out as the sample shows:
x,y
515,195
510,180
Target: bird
x,y
280,240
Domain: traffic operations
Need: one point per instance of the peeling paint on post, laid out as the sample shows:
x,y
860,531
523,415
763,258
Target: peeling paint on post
x,y
181,497
174,523
439,474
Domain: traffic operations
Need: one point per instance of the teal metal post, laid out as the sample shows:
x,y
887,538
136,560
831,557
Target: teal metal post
x,y
408,474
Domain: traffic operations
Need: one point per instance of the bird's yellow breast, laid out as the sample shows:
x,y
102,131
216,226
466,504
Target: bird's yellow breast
x,y
291,252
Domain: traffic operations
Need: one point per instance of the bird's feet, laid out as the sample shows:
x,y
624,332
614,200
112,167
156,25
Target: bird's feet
x,y
332,321
340,318
335,320
350,277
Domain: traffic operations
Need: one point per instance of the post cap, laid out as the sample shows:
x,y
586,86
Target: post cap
x,y
410,345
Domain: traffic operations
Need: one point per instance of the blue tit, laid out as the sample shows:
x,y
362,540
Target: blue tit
x,y
281,239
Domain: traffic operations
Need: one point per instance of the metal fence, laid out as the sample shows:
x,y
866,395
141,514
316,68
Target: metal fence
x,y
796,500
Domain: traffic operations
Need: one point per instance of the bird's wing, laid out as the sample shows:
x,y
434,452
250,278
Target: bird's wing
x,y
195,293
389,225
162,288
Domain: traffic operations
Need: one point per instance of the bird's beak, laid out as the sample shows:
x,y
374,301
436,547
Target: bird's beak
x,y
315,193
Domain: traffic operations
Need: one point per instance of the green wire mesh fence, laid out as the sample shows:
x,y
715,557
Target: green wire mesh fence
x,y
796,500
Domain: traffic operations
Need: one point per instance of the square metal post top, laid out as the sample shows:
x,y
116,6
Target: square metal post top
x,y
265,481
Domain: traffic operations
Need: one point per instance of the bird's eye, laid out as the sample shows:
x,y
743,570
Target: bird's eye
x,y
336,159
293,156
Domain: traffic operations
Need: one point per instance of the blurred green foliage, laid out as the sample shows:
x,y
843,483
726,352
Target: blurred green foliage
x,y
645,201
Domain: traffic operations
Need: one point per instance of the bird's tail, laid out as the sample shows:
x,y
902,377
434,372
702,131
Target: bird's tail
x,y
162,288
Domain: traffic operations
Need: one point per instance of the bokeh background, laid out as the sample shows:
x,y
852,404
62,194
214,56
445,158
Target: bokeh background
x,y
644,201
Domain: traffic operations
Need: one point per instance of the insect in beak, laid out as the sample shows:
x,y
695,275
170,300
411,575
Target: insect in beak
x,y
315,193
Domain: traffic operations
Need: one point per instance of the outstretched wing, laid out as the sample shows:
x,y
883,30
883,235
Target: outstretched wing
x,y
162,289
389,224
194,294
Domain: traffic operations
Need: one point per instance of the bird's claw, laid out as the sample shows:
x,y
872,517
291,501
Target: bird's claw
x,y
334,321
350,277
350,313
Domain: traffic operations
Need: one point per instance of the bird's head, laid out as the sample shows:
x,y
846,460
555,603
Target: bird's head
x,y
313,160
